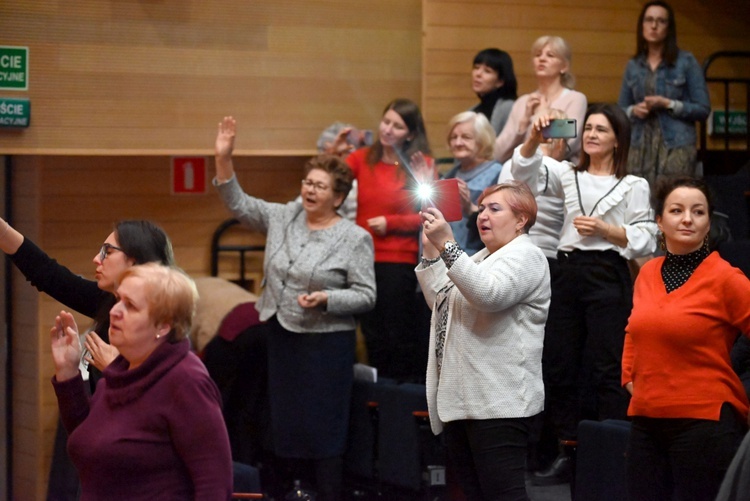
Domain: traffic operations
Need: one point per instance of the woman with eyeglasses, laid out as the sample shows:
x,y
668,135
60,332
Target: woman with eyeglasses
x,y
318,273
131,242
664,93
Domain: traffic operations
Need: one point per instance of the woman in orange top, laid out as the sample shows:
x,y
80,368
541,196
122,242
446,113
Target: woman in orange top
x,y
689,408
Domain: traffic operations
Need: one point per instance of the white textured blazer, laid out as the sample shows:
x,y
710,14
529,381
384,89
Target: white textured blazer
x,y
492,360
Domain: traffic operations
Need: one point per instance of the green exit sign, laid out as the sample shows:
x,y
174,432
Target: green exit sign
x,y
734,124
14,68
14,112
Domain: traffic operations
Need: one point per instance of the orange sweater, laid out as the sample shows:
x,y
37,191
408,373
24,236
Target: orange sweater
x,y
677,345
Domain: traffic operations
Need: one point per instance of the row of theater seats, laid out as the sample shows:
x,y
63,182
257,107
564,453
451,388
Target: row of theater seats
x,y
392,453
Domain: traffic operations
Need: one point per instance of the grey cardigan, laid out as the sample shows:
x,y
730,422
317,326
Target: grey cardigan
x,y
338,260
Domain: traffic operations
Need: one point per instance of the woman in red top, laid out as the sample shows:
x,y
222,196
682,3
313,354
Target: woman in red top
x,y
396,339
689,408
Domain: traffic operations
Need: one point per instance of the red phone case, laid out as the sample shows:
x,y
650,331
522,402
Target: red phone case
x,y
446,199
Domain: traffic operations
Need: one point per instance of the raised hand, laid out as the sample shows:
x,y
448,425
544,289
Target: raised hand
x,y
435,227
65,346
224,148
225,137
423,168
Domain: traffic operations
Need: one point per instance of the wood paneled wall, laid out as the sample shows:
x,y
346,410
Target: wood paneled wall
x,y
601,35
145,77
118,85
68,206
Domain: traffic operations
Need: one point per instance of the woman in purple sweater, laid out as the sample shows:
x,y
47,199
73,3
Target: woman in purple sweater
x,y
154,428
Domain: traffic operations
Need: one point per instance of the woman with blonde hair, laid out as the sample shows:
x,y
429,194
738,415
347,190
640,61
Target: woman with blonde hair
x,y
470,139
153,429
484,375
551,60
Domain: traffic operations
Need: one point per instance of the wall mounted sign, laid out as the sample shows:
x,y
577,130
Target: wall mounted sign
x,y
14,68
188,175
15,112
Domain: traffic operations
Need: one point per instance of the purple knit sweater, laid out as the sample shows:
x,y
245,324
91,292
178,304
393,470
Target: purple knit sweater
x,y
154,432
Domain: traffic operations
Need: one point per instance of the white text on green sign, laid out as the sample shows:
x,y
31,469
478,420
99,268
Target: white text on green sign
x,y
14,68
14,112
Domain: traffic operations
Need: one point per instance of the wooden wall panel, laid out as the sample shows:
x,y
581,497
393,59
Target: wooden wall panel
x,y
68,205
602,37
136,77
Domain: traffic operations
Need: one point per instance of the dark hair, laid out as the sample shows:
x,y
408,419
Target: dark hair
x,y
412,117
620,124
144,242
670,50
339,171
667,185
501,62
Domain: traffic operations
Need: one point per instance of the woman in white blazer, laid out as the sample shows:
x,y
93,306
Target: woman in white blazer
x,y
484,374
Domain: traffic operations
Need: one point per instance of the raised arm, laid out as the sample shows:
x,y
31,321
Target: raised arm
x,y
10,239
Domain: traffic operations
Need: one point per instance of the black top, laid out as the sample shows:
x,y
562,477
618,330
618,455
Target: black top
x,y
487,103
74,291
677,268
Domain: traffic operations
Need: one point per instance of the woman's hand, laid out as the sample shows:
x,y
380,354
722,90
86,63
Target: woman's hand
x,y
378,225
340,146
589,226
101,354
435,228
629,387
529,147
225,137
224,147
313,299
640,110
423,168
656,102
66,347
467,207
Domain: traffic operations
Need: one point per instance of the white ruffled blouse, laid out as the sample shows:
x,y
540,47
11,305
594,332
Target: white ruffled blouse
x,y
621,202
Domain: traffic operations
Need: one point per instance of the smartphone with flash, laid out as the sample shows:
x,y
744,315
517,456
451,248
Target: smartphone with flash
x,y
443,195
564,128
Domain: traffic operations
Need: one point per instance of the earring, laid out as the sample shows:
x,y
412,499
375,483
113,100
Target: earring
x,y
158,336
662,242
705,244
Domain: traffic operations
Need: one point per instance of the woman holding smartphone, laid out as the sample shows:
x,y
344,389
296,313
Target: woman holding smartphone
x,y
608,220
551,60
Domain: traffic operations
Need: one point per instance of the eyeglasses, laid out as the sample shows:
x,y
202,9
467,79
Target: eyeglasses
x,y
106,250
661,21
314,186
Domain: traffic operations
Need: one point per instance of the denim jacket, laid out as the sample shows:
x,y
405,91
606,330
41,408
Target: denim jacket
x,y
682,82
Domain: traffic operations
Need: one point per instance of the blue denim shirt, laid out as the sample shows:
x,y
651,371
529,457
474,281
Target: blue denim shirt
x,y
682,82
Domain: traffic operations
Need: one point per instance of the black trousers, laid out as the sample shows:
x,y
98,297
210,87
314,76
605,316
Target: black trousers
x,y
396,333
681,459
488,457
592,296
